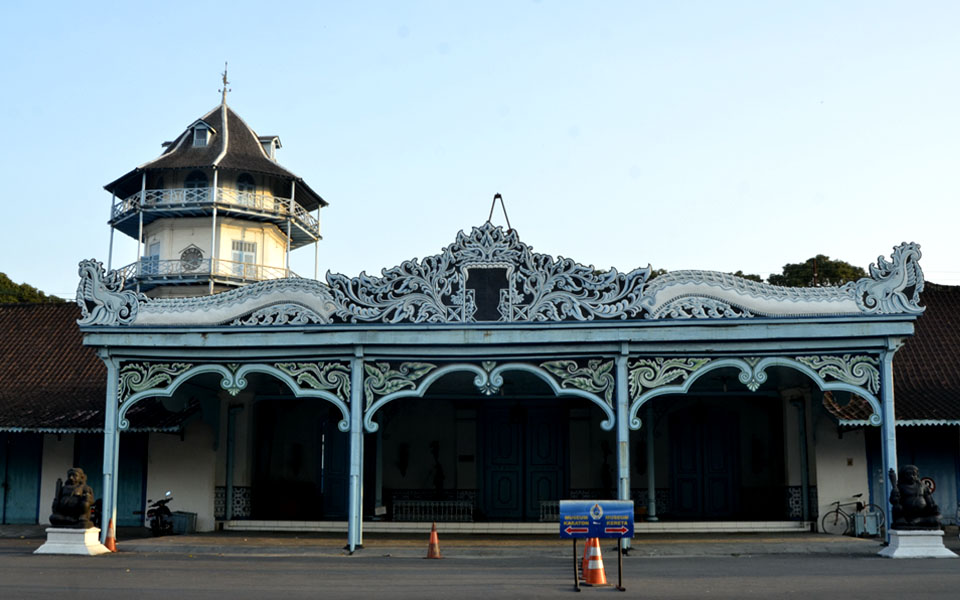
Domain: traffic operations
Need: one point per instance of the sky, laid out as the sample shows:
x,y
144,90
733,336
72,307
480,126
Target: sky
x,y
685,135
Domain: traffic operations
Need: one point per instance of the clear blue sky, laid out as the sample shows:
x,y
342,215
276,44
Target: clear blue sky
x,y
705,135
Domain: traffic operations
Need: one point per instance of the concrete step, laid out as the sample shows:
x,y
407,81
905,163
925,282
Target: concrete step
x,y
514,528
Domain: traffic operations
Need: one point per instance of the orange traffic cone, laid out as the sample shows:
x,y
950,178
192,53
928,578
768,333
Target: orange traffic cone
x,y
433,549
111,540
594,574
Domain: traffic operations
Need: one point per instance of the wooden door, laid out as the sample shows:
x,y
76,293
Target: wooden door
x,y
20,456
524,461
502,466
704,463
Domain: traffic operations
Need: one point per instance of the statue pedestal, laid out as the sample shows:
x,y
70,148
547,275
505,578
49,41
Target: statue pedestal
x,y
925,543
60,540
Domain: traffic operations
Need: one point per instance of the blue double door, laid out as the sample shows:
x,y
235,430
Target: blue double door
x,y
20,457
704,463
524,460
131,476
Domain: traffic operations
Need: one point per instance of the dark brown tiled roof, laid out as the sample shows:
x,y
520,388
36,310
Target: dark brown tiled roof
x,y
244,153
50,381
926,371
927,368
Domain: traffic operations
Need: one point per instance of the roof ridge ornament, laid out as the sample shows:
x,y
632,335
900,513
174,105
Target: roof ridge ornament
x,y
224,89
102,299
489,275
894,286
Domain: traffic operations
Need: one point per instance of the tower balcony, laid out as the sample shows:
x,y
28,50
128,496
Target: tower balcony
x,y
150,273
199,202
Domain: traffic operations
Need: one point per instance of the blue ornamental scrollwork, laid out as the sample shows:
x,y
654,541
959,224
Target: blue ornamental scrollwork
x,y
281,314
539,287
656,376
135,377
596,377
859,370
330,376
650,373
491,383
561,289
101,297
382,379
695,307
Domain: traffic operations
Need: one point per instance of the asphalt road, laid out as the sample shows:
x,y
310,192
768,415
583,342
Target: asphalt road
x,y
174,576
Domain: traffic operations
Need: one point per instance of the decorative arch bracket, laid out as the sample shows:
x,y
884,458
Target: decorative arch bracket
x,y
327,380
656,376
385,382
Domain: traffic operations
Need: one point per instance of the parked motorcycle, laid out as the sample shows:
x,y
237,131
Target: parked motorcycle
x,y
159,517
95,511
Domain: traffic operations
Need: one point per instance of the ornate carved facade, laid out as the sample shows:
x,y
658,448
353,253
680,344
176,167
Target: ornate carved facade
x,y
490,345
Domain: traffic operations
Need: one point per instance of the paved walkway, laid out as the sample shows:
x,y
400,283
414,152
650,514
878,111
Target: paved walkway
x,y
26,537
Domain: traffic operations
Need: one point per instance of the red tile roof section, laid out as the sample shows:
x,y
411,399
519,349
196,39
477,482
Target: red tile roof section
x,y
50,381
48,378
927,368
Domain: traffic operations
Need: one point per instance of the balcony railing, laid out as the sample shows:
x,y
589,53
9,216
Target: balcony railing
x,y
180,271
173,198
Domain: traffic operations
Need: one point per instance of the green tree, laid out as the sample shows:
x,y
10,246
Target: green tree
x,y
22,292
817,271
749,276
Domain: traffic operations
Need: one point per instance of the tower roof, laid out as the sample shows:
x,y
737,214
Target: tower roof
x,y
232,145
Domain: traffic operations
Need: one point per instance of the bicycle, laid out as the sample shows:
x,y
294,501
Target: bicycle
x,y
840,522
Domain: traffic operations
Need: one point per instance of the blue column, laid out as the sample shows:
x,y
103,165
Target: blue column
x,y
651,464
355,499
111,446
888,433
232,411
623,432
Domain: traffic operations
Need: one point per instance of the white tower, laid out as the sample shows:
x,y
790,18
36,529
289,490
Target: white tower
x,y
214,211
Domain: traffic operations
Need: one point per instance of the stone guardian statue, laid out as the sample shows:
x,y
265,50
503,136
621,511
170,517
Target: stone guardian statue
x,y
72,501
912,503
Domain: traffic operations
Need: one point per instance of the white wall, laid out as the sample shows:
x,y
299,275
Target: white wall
x,y
175,235
841,463
186,468
57,458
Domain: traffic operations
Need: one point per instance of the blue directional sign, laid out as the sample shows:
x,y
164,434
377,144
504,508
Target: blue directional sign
x,y
596,518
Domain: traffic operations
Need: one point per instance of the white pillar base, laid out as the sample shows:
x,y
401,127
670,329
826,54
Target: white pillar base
x,y
925,543
61,540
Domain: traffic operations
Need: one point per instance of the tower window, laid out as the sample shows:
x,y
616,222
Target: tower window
x,y
245,183
244,258
246,190
196,184
196,179
200,136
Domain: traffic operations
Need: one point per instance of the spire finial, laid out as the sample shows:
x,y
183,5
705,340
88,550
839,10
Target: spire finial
x,y
225,89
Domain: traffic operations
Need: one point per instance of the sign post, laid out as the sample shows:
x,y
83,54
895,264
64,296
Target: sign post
x,y
597,519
